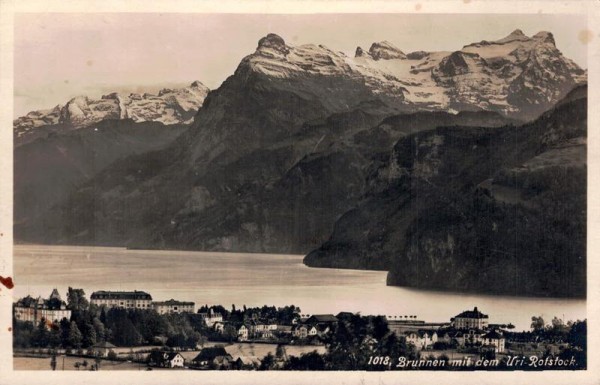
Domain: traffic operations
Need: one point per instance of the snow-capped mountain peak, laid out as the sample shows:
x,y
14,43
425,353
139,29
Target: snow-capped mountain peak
x,y
169,106
516,35
517,75
545,37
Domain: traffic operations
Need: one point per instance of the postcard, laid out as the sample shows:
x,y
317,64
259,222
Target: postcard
x,y
300,192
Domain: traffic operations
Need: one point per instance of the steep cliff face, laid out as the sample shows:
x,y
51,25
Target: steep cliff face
x,y
498,210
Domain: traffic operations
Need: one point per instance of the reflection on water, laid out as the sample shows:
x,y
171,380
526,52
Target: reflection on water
x,y
256,280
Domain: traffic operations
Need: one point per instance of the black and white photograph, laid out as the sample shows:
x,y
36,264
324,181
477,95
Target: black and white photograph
x,y
380,193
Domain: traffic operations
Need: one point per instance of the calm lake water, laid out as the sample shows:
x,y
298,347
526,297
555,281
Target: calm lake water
x,y
256,280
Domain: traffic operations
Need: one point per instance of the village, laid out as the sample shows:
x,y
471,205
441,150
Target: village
x,y
129,330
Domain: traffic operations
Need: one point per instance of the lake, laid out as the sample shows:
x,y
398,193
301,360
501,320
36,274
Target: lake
x,y
259,279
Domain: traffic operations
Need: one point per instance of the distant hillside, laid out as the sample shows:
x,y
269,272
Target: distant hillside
x,y
499,210
46,170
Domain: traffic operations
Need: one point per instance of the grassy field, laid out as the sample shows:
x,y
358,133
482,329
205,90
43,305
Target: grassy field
x,y
255,352
34,363
451,354
249,351
252,350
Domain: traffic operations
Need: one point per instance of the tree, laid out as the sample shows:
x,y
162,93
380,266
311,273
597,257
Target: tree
x,y
103,315
100,330
23,334
76,300
41,335
229,333
75,337
201,341
111,355
308,361
268,362
378,327
177,341
54,338
578,335
125,333
65,328
488,354
444,358
280,353
558,326
537,324
89,335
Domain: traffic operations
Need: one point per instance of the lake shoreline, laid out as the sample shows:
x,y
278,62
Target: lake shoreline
x,y
259,279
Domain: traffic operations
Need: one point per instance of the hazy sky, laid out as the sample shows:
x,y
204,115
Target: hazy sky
x,y
58,56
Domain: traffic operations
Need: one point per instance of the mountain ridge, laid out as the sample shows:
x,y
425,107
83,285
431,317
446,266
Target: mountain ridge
x,y
168,106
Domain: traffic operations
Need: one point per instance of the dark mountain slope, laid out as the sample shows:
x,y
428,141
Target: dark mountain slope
x,y
499,210
47,169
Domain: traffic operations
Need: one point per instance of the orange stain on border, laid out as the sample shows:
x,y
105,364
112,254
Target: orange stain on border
x,y
585,36
418,7
8,282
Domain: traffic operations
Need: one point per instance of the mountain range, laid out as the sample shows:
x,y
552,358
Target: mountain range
x,y
424,164
169,106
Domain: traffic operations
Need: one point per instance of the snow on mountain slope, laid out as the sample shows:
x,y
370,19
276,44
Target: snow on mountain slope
x,y
35,119
517,75
170,106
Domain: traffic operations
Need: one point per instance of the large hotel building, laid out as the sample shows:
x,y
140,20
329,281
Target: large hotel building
x,y
123,299
139,300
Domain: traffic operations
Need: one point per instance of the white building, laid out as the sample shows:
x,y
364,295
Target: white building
x,y
470,319
495,340
243,332
172,306
166,359
421,339
211,317
300,331
262,330
53,309
123,299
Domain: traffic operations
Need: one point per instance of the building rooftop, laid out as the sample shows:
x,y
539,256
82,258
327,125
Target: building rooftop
x,y
493,335
322,318
40,303
475,314
160,356
55,295
102,294
104,345
172,302
209,354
